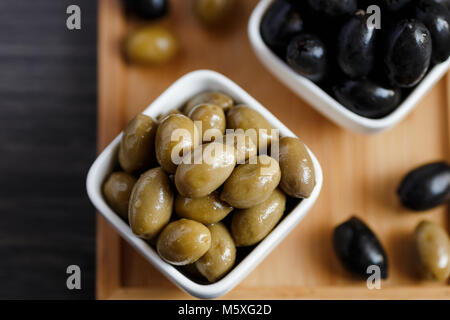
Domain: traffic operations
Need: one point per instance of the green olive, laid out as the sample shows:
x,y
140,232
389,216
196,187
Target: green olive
x,y
176,136
433,249
213,97
249,226
212,119
297,170
208,209
136,150
220,258
168,113
214,12
151,45
252,183
253,123
183,242
151,203
117,190
243,144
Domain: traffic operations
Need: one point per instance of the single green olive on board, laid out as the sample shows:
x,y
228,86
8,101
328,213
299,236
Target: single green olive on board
x,y
243,144
433,249
176,135
252,183
220,257
117,190
151,203
297,170
151,45
208,209
137,146
214,12
250,226
213,97
204,170
212,119
183,242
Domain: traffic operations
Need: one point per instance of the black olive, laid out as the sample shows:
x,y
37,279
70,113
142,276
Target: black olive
x,y
333,7
395,5
408,53
279,24
306,54
356,46
437,19
426,187
147,9
358,247
445,3
367,98
389,5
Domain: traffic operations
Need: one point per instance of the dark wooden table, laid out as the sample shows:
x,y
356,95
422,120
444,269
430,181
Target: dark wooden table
x,y
47,142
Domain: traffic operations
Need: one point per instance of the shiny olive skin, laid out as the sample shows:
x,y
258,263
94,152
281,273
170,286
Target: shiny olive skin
x,y
213,97
437,20
307,55
176,135
196,179
117,190
162,116
357,247
367,98
208,209
426,187
151,45
356,44
147,9
252,183
220,258
151,203
212,119
245,118
279,24
214,12
408,53
243,144
250,226
445,3
297,170
183,242
433,250
333,7
137,146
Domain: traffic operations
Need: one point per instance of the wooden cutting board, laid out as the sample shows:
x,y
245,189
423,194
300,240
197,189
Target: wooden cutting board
x,y
361,173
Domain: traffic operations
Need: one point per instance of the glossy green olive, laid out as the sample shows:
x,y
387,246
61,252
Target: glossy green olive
x,y
151,203
214,12
137,147
243,144
250,226
162,116
205,170
176,136
297,170
183,242
117,190
213,97
220,258
151,45
433,248
212,119
208,209
252,183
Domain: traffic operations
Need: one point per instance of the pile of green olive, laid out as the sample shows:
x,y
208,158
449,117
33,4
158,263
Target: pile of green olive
x,y
197,212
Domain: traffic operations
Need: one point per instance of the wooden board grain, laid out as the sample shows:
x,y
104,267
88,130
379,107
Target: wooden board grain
x,y
361,173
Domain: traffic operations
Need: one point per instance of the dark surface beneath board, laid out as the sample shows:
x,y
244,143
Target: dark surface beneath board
x,y
47,143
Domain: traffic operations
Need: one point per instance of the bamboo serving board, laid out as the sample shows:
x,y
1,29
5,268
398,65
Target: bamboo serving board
x,y
361,173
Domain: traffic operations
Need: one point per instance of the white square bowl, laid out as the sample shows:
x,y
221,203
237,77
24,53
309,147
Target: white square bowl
x,y
174,97
321,100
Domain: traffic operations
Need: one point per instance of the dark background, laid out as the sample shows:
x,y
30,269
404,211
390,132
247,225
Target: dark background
x,y
47,143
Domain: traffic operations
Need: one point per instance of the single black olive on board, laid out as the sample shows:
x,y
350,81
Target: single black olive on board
x,y
357,247
408,53
333,7
367,98
306,54
426,187
280,24
147,9
437,19
356,46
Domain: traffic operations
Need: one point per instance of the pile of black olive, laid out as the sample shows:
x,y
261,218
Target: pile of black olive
x,y
336,44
